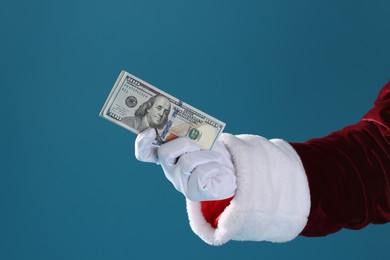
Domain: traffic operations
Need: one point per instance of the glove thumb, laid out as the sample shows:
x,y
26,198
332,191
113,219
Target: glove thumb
x,y
145,151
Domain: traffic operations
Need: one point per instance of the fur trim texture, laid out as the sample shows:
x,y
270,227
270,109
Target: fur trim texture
x,y
272,200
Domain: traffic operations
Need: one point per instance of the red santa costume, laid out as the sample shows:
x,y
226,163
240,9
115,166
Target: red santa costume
x,y
312,189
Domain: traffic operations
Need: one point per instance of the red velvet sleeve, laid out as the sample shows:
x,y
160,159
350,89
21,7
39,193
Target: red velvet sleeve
x,y
348,173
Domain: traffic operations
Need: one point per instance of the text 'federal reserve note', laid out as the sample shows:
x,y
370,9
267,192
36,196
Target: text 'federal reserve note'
x,y
136,105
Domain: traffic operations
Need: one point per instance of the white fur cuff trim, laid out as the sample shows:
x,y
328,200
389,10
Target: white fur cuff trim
x,y
272,200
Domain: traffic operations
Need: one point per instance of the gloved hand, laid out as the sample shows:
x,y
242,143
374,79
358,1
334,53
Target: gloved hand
x,y
201,175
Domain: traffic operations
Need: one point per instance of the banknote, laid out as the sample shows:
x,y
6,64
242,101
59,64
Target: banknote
x,y
136,105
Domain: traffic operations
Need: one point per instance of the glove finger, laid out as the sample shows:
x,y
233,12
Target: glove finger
x,y
169,152
188,162
210,182
145,151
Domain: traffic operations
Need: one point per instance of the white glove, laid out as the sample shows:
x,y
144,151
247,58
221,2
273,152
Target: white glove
x,y
201,175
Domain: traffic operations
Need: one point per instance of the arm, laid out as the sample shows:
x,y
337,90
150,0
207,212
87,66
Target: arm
x,y
348,174
313,188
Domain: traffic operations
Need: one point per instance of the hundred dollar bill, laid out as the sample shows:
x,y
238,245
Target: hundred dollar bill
x,y
136,105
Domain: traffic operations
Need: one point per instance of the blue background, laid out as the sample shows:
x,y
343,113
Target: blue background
x,y
70,187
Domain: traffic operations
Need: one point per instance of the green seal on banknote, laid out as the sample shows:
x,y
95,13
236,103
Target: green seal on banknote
x,y
194,134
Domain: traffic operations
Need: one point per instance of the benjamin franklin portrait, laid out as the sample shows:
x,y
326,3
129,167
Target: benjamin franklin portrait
x,y
152,113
